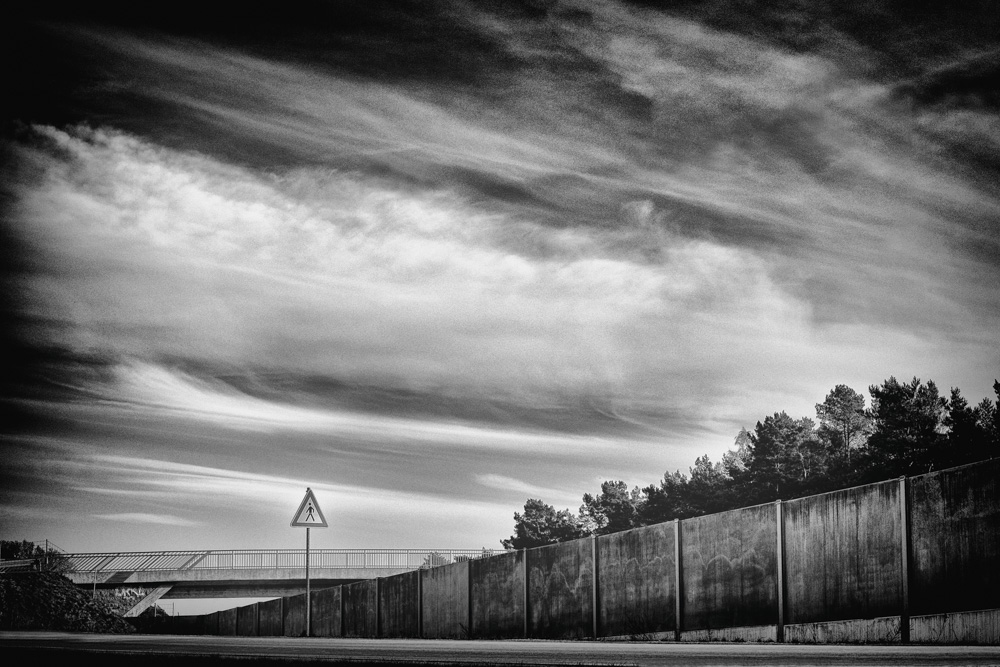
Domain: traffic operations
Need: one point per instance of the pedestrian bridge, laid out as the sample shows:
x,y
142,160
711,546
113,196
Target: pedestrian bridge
x,y
246,572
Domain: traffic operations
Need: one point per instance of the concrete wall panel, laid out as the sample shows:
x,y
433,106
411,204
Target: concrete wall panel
x,y
753,633
498,596
325,616
359,609
185,625
560,585
843,555
399,601
730,569
228,622
883,630
446,601
293,616
636,585
246,621
210,623
970,627
270,617
955,538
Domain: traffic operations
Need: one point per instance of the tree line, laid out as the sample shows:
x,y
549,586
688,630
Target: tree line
x,y
908,429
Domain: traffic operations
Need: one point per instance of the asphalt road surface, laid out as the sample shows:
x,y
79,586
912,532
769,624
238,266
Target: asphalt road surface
x,y
156,650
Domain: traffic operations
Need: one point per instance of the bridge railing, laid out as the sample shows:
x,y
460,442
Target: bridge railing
x,y
263,559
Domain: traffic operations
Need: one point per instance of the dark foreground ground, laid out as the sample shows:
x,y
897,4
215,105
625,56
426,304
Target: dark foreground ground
x,y
159,650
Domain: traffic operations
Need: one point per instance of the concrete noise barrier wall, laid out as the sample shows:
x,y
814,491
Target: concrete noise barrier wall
x,y
248,621
399,605
325,617
637,586
269,618
293,616
228,622
843,555
445,603
913,559
955,537
729,566
211,624
561,590
498,596
360,617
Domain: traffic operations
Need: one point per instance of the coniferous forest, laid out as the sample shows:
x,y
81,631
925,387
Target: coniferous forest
x,y
908,428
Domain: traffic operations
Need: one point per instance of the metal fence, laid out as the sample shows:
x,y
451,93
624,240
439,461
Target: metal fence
x,y
268,559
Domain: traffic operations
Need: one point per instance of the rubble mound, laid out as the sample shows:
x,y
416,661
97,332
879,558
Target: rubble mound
x,y
50,601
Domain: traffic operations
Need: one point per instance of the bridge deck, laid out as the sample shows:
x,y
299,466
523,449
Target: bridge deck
x,y
249,572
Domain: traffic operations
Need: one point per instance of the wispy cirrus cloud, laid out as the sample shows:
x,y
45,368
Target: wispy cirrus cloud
x,y
795,155
148,390
412,289
147,492
520,488
219,496
140,517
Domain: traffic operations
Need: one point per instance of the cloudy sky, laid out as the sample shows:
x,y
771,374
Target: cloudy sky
x,y
432,259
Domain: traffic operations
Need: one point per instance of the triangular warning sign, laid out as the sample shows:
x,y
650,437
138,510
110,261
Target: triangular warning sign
x,y
309,514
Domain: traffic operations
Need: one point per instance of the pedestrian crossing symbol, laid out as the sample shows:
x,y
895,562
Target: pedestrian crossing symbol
x,y
309,514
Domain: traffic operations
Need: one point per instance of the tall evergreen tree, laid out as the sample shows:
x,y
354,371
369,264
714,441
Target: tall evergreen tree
x,y
707,487
842,416
612,511
968,439
783,458
664,502
988,419
541,524
907,429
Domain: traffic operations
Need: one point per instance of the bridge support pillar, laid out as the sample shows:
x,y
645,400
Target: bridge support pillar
x,y
148,601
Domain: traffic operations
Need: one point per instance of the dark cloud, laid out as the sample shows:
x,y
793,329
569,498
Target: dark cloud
x,y
900,36
969,83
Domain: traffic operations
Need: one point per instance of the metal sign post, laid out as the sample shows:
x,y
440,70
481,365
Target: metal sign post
x,y
309,598
309,515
